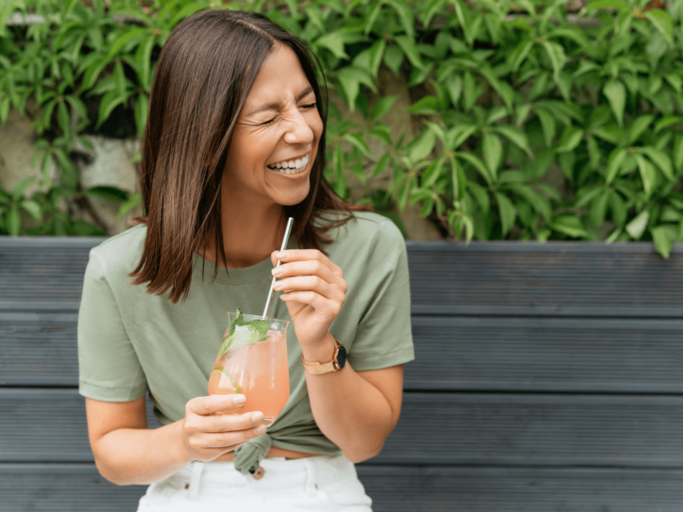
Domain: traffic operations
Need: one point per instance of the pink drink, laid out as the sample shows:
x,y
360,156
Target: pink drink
x,y
259,371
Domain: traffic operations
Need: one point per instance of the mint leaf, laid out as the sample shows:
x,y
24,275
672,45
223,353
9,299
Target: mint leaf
x,y
244,333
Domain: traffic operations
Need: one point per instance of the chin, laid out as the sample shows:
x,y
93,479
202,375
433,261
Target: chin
x,y
294,197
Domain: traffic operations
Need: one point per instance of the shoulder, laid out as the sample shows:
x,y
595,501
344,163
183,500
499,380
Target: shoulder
x,y
367,228
121,253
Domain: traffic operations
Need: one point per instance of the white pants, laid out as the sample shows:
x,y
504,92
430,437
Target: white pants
x,y
317,484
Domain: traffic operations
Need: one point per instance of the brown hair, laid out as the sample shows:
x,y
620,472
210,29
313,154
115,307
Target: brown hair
x,y
205,72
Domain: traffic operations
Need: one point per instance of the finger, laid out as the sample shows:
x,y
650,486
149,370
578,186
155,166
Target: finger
x,y
231,422
308,255
227,439
310,283
207,405
307,268
316,301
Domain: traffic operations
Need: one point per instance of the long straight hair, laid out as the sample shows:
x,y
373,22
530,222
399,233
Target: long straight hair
x,y
205,72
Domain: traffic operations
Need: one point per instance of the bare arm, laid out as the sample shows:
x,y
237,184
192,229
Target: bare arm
x,y
355,410
126,452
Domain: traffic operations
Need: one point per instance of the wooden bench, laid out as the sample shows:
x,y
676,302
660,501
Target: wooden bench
x,y
548,377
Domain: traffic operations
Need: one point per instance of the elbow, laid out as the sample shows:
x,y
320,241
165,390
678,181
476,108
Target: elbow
x,y
109,474
361,454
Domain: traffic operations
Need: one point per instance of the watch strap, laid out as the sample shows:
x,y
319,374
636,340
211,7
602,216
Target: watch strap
x,y
317,368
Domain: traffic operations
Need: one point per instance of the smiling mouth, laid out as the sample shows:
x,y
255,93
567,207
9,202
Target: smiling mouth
x,y
288,167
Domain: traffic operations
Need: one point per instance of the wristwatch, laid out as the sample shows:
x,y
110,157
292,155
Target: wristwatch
x,y
338,362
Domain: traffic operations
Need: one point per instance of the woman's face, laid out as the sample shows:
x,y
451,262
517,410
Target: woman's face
x,y
276,136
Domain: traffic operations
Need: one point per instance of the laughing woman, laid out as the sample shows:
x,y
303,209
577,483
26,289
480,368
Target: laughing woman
x,y
235,144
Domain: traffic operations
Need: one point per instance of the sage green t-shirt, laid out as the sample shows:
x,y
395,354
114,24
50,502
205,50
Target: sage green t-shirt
x,y
130,341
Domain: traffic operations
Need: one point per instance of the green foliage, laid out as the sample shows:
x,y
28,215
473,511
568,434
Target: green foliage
x,y
530,127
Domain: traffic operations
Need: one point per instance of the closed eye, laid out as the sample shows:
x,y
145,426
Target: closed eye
x,y
312,105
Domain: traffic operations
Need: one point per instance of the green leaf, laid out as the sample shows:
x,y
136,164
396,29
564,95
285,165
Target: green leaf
x,y
493,152
393,58
109,102
407,44
20,187
557,58
520,53
570,139
616,158
547,124
13,221
244,334
661,159
123,39
599,208
477,164
638,126
647,173
107,192
616,95
662,22
663,243
333,42
370,20
637,226
454,86
422,145
678,153
33,209
383,106
514,135
426,105
133,201
141,110
569,225
405,16
507,213
358,141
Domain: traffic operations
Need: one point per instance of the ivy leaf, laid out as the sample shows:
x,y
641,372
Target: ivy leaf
x,y
663,243
333,42
383,106
514,135
33,209
108,193
648,173
507,213
616,158
393,58
426,105
570,139
20,187
547,124
638,126
661,159
678,153
616,95
477,164
109,102
557,58
407,44
454,87
662,22
13,221
493,152
599,208
569,225
637,226
422,145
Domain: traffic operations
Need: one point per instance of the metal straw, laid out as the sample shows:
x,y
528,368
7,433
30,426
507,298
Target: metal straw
x,y
284,246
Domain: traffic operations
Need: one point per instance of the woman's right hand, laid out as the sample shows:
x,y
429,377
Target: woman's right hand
x,y
206,436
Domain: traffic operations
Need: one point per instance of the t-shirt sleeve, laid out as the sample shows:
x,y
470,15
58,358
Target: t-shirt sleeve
x,y
384,337
109,369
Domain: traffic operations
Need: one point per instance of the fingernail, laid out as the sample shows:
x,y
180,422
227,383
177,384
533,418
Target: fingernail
x,y
277,271
240,399
257,417
284,296
282,255
260,430
277,285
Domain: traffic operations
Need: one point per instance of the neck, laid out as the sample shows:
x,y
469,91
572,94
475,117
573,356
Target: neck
x,y
251,232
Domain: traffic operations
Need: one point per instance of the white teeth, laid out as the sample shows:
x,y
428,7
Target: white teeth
x,y
291,166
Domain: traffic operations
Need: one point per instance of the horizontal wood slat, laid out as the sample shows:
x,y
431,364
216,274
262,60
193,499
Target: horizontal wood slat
x,y
79,488
462,428
552,279
452,353
486,278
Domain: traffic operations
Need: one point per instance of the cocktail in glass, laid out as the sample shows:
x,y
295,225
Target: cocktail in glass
x,y
256,368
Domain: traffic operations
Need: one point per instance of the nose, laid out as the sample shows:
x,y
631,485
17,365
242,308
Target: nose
x,y
298,131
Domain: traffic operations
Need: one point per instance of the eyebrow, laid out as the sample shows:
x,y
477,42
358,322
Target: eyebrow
x,y
274,106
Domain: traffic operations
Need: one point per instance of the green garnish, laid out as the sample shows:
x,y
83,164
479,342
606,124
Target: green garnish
x,y
244,333
233,382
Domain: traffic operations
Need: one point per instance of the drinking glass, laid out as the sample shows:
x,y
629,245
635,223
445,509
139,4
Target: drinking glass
x,y
259,371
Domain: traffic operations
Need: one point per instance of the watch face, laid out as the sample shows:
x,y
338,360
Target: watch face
x,y
341,357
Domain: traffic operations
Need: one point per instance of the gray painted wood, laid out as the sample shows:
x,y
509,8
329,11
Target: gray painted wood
x,y
78,488
486,278
448,428
452,353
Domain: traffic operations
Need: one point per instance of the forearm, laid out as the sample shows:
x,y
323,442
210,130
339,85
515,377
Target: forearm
x,y
349,410
140,456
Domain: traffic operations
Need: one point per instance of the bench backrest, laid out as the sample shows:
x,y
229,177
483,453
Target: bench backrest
x,y
548,377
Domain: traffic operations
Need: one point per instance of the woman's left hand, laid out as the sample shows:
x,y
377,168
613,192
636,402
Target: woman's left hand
x,y
314,289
